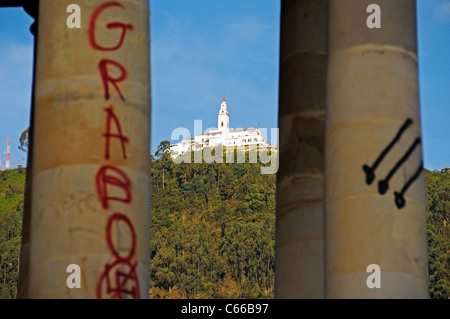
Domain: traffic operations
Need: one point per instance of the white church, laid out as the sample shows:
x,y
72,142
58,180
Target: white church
x,y
241,139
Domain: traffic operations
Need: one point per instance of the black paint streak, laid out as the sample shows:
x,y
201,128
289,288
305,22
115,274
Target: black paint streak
x,y
383,185
370,171
399,199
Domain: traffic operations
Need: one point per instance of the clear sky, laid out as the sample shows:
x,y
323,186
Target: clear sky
x,y
203,50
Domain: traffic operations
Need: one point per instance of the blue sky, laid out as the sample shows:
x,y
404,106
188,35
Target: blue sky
x,y
434,80
202,50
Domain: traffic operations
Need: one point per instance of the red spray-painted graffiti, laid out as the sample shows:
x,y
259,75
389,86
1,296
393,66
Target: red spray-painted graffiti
x,y
111,116
118,281
119,278
103,179
106,77
110,25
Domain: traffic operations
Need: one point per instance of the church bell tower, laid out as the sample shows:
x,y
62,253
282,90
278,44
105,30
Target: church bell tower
x,y
223,124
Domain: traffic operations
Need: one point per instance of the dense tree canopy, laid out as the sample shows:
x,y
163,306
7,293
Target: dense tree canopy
x,y
438,233
213,228
11,206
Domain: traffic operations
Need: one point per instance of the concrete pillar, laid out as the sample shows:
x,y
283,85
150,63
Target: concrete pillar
x,y
375,188
24,261
23,278
90,200
299,262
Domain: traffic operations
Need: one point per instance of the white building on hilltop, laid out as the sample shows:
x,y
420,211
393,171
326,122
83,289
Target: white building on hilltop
x,y
241,139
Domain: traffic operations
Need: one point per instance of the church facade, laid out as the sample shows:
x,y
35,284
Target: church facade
x,y
239,139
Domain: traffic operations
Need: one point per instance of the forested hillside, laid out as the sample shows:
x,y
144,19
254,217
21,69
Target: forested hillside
x,y
438,232
212,232
11,205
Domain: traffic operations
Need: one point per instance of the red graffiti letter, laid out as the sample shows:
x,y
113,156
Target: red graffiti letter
x,y
111,116
119,280
110,25
115,218
120,180
103,68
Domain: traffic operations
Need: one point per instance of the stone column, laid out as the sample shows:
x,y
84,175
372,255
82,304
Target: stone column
x,y
91,140
375,188
299,262
23,276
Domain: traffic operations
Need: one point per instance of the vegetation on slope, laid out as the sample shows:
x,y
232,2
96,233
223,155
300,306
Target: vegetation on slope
x,y
213,230
11,205
438,233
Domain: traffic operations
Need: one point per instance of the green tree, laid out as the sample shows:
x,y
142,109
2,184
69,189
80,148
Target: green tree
x,y
162,149
11,207
23,140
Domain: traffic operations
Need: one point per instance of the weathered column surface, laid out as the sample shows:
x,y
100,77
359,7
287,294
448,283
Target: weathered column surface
x,y
375,189
90,200
299,232
23,277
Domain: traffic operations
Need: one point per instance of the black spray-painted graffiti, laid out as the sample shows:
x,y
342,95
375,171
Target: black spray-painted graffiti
x,y
383,184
